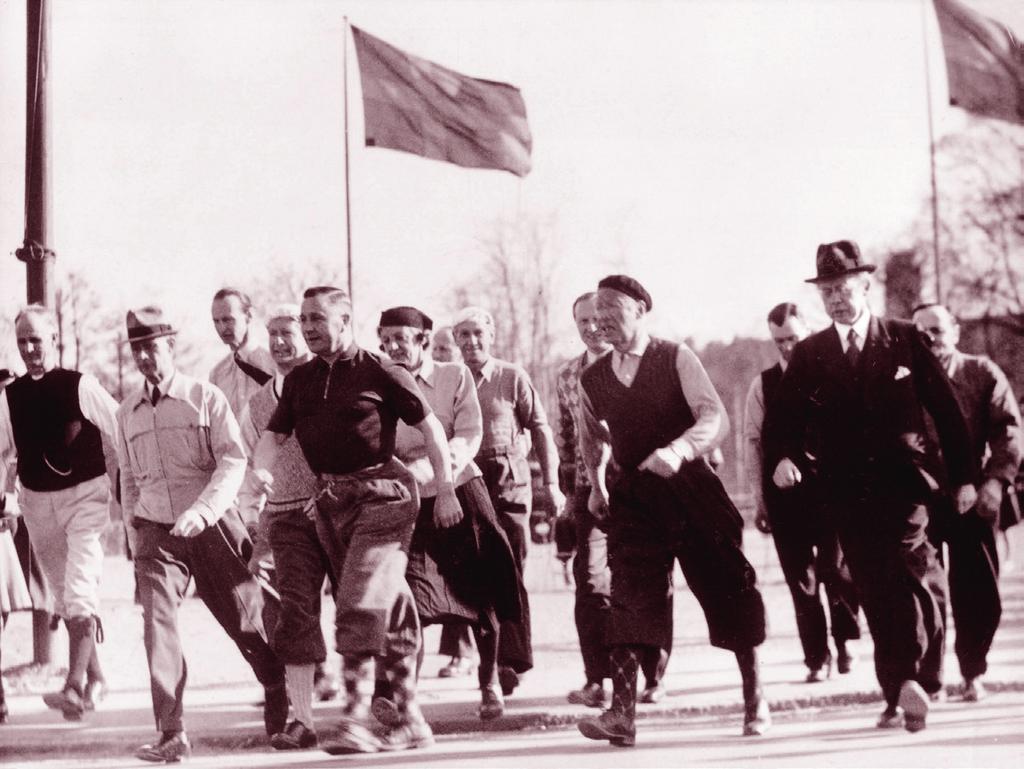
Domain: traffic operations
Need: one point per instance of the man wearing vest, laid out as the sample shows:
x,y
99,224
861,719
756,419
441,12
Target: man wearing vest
x,y
805,538
244,370
850,412
182,464
993,419
590,563
663,419
59,422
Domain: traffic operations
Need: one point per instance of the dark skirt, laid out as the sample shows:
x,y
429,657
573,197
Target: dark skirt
x,y
464,573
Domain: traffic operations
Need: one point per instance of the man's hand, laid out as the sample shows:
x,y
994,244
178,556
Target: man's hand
x,y
9,523
189,524
447,511
557,499
965,497
761,518
787,474
663,462
264,480
990,499
597,503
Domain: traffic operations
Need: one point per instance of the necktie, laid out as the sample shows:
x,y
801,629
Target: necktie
x,y
155,395
852,351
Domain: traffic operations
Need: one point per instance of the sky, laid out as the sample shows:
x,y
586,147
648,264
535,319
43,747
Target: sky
x,y
704,146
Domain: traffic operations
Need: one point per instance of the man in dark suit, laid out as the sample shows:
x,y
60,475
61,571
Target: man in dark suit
x,y
851,412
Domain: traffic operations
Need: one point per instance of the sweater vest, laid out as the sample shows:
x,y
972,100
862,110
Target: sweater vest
x,y
57,446
649,414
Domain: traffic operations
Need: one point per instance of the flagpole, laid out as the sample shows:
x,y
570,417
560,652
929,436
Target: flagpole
x,y
931,152
348,207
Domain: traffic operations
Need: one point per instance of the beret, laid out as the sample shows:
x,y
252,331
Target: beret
x,y
406,316
629,286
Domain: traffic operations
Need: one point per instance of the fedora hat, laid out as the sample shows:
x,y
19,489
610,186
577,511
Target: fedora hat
x,y
834,260
147,323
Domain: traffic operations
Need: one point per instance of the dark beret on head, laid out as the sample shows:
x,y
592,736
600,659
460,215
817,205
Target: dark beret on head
x,y
406,316
628,286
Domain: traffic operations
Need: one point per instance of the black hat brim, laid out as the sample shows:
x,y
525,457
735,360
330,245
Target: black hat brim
x,y
844,273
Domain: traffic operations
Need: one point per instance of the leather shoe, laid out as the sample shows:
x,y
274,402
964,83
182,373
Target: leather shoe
x,y
652,694
891,718
353,737
614,727
974,690
591,695
914,702
414,733
95,692
68,701
817,675
385,711
845,660
509,680
757,718
296,736
275,708
491,704
172,748
3,712
456,668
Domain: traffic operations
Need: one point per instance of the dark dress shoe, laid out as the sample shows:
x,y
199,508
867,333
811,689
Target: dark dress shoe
x,y
591,695
652,694
491,704
172,748
456,668
509,680
68,701
296,736
614,727
757,718
275,708
891,718
845,660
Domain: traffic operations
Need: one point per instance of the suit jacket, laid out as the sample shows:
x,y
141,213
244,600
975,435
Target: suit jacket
x,y
861,430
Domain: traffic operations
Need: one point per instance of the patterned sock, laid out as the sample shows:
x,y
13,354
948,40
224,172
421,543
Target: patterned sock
x,y
403,683
299,682
357,672
625,662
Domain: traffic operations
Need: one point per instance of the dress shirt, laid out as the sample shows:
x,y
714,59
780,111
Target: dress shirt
x,y
860,328
753,424
700,439
510,405
96,405
184,453
449,389
238,386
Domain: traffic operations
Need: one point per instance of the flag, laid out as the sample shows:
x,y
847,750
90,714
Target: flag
x,y
414,105
984,62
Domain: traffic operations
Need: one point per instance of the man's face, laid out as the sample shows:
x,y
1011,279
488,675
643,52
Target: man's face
x,y
326,327
403,344
475,341
618,317
787,335
588,327
37,343
845,298
286,342
230,320
942,330
154,358
443,347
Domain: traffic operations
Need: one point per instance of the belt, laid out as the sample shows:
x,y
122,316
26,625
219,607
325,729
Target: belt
x,y
351,477
497,451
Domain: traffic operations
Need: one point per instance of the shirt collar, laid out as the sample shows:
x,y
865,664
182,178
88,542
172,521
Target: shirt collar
x,y
487,370
639,346
346,358
246,350
427,370
860,326
169,388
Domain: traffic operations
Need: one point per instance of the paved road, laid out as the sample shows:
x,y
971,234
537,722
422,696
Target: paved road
x,y
959,735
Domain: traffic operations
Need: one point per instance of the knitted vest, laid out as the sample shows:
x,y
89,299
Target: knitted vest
x,y
57,446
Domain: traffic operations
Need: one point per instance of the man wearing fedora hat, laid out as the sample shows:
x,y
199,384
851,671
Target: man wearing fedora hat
x,y
182,464
850,414
61,426
665,504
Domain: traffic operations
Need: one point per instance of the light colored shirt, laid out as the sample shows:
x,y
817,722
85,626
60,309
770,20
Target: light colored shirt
x,y
96,405
449,389
511,406
184,453
699,440
238,386
753,424
860,328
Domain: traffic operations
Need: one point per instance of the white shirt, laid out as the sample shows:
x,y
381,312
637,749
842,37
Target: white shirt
x,y
860,327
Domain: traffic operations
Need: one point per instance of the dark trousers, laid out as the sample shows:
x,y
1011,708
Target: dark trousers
x,y
973,573
217,560
593,600
508,485
656,521
300,565
811,558
900,583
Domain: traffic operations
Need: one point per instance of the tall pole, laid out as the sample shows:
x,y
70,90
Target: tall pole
x,y
348,208
931,153
35,251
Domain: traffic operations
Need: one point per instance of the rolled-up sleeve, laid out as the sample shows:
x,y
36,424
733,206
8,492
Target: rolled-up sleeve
x,y
712,421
